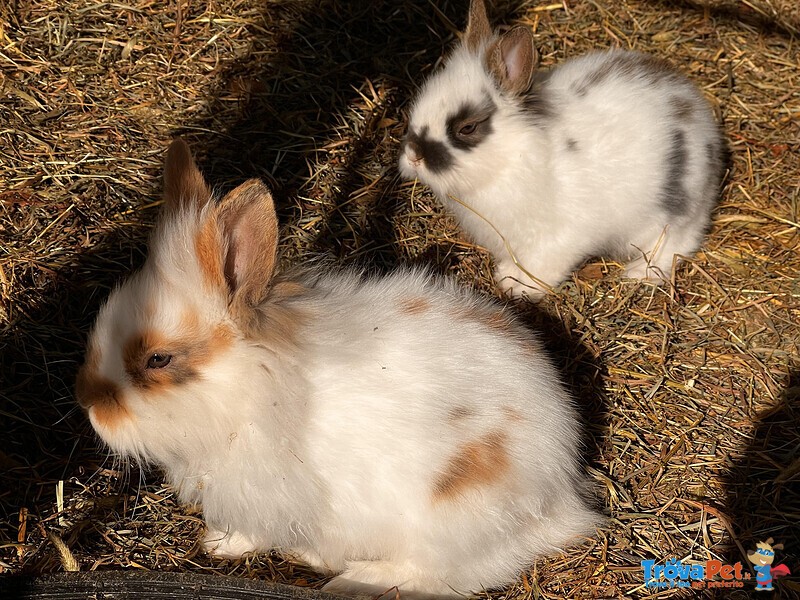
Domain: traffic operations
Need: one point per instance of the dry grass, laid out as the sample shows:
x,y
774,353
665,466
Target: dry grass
x,y
691,396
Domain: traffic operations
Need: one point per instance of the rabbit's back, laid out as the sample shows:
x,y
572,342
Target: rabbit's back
x,y
429,406
635,130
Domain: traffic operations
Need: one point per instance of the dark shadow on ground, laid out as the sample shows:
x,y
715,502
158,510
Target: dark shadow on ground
x,y
739,12
580,369
46,438
763,490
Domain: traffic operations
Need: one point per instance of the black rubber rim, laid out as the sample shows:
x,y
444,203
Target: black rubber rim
x,y
146,585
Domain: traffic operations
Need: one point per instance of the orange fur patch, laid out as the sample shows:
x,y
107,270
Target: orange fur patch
x,y
512,414
493,319
415,306
109,414
221,339
482,462
283,290
497,321
190,353
276,321
135,353
207,245
91,388
100,395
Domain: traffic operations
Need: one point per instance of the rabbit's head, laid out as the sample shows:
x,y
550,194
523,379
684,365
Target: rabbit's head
x,y
170,345
466,119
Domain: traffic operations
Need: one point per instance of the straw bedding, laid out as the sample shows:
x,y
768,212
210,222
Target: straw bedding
x,y
690,396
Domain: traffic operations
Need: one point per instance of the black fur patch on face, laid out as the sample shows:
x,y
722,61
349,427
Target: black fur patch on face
x,y
471,124
630,65
673,194
435,155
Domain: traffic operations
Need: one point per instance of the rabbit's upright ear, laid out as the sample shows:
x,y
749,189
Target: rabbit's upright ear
x,y
249,231
184,186
512,60
478,28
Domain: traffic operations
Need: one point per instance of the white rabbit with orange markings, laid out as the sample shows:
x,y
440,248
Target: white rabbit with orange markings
x,y
399,431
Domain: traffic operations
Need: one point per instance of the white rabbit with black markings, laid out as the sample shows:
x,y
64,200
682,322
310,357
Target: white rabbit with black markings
x,y
613,153
399,430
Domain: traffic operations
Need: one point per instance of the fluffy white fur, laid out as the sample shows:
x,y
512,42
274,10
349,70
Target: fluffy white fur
x,y
558,206
329,447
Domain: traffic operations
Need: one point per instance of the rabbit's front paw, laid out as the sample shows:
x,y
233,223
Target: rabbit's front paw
x,y
226,544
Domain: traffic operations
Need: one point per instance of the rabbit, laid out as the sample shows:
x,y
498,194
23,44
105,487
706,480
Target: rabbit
x,y
396,430
612,153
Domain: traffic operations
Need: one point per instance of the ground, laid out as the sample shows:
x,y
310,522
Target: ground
x,y
691,395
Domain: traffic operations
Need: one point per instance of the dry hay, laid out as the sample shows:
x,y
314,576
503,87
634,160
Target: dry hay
x,y
691,396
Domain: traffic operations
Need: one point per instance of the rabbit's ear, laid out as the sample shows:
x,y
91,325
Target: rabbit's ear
x,y
512,60
478,28
184,185
249,232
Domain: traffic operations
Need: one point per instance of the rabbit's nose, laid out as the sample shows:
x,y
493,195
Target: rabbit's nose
x,y
413,152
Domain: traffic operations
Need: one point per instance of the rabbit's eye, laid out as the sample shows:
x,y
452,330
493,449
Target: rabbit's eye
x,y
468,129
158,361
